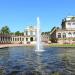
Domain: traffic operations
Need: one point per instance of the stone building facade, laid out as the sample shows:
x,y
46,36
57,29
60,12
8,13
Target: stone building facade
x,y
17,39
30,35
65,34
45,37
5,38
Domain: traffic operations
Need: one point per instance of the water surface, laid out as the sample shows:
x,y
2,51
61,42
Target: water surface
x,y
25,61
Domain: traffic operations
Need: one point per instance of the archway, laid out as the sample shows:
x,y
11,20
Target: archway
x,y
31,39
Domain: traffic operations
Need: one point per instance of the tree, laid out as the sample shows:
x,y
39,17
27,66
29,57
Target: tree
x,y
12,33
5,30
17,33
42,33
22,33
0,31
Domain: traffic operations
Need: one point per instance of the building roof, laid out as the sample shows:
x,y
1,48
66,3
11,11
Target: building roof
x,y
69,18
64,30
5,35
53,29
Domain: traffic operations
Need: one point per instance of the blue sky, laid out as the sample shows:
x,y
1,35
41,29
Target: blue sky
x,y
18,14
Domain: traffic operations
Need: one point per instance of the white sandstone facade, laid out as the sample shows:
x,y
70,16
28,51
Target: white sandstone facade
x,y
65,34
30,35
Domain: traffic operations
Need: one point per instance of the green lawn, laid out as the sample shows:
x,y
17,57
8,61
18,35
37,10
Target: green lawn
x,y
62,45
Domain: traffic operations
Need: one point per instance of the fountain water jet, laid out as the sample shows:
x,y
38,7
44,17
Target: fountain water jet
x,y
38,37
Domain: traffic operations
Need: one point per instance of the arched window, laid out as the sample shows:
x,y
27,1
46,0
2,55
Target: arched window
x,y
70,34
26,39
59,35
31,39
64,35
74,33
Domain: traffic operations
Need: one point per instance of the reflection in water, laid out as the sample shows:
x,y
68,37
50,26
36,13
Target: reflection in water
x,y
39,67
4,55
25,61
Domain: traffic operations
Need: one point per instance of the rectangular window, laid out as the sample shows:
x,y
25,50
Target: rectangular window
x,y
26,33
31,33
1,38
13,39
20,38
59,35
64,35
69,23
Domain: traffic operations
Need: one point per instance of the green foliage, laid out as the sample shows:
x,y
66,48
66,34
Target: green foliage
x,y
5,30
19,33
54,40
42,33
55,73
12,33
22,33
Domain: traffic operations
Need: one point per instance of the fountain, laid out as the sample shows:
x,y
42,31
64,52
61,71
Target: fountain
x,y
38,37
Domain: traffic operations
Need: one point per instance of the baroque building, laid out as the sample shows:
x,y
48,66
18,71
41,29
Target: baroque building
x,y
5,38
65,34
30,35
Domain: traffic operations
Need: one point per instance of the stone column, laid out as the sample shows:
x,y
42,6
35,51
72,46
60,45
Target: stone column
x,y
24,40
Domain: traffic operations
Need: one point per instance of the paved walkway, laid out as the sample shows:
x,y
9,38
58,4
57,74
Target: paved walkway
x,y
12,45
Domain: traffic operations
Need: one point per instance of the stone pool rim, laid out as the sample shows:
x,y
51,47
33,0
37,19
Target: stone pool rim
x,y
29,45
